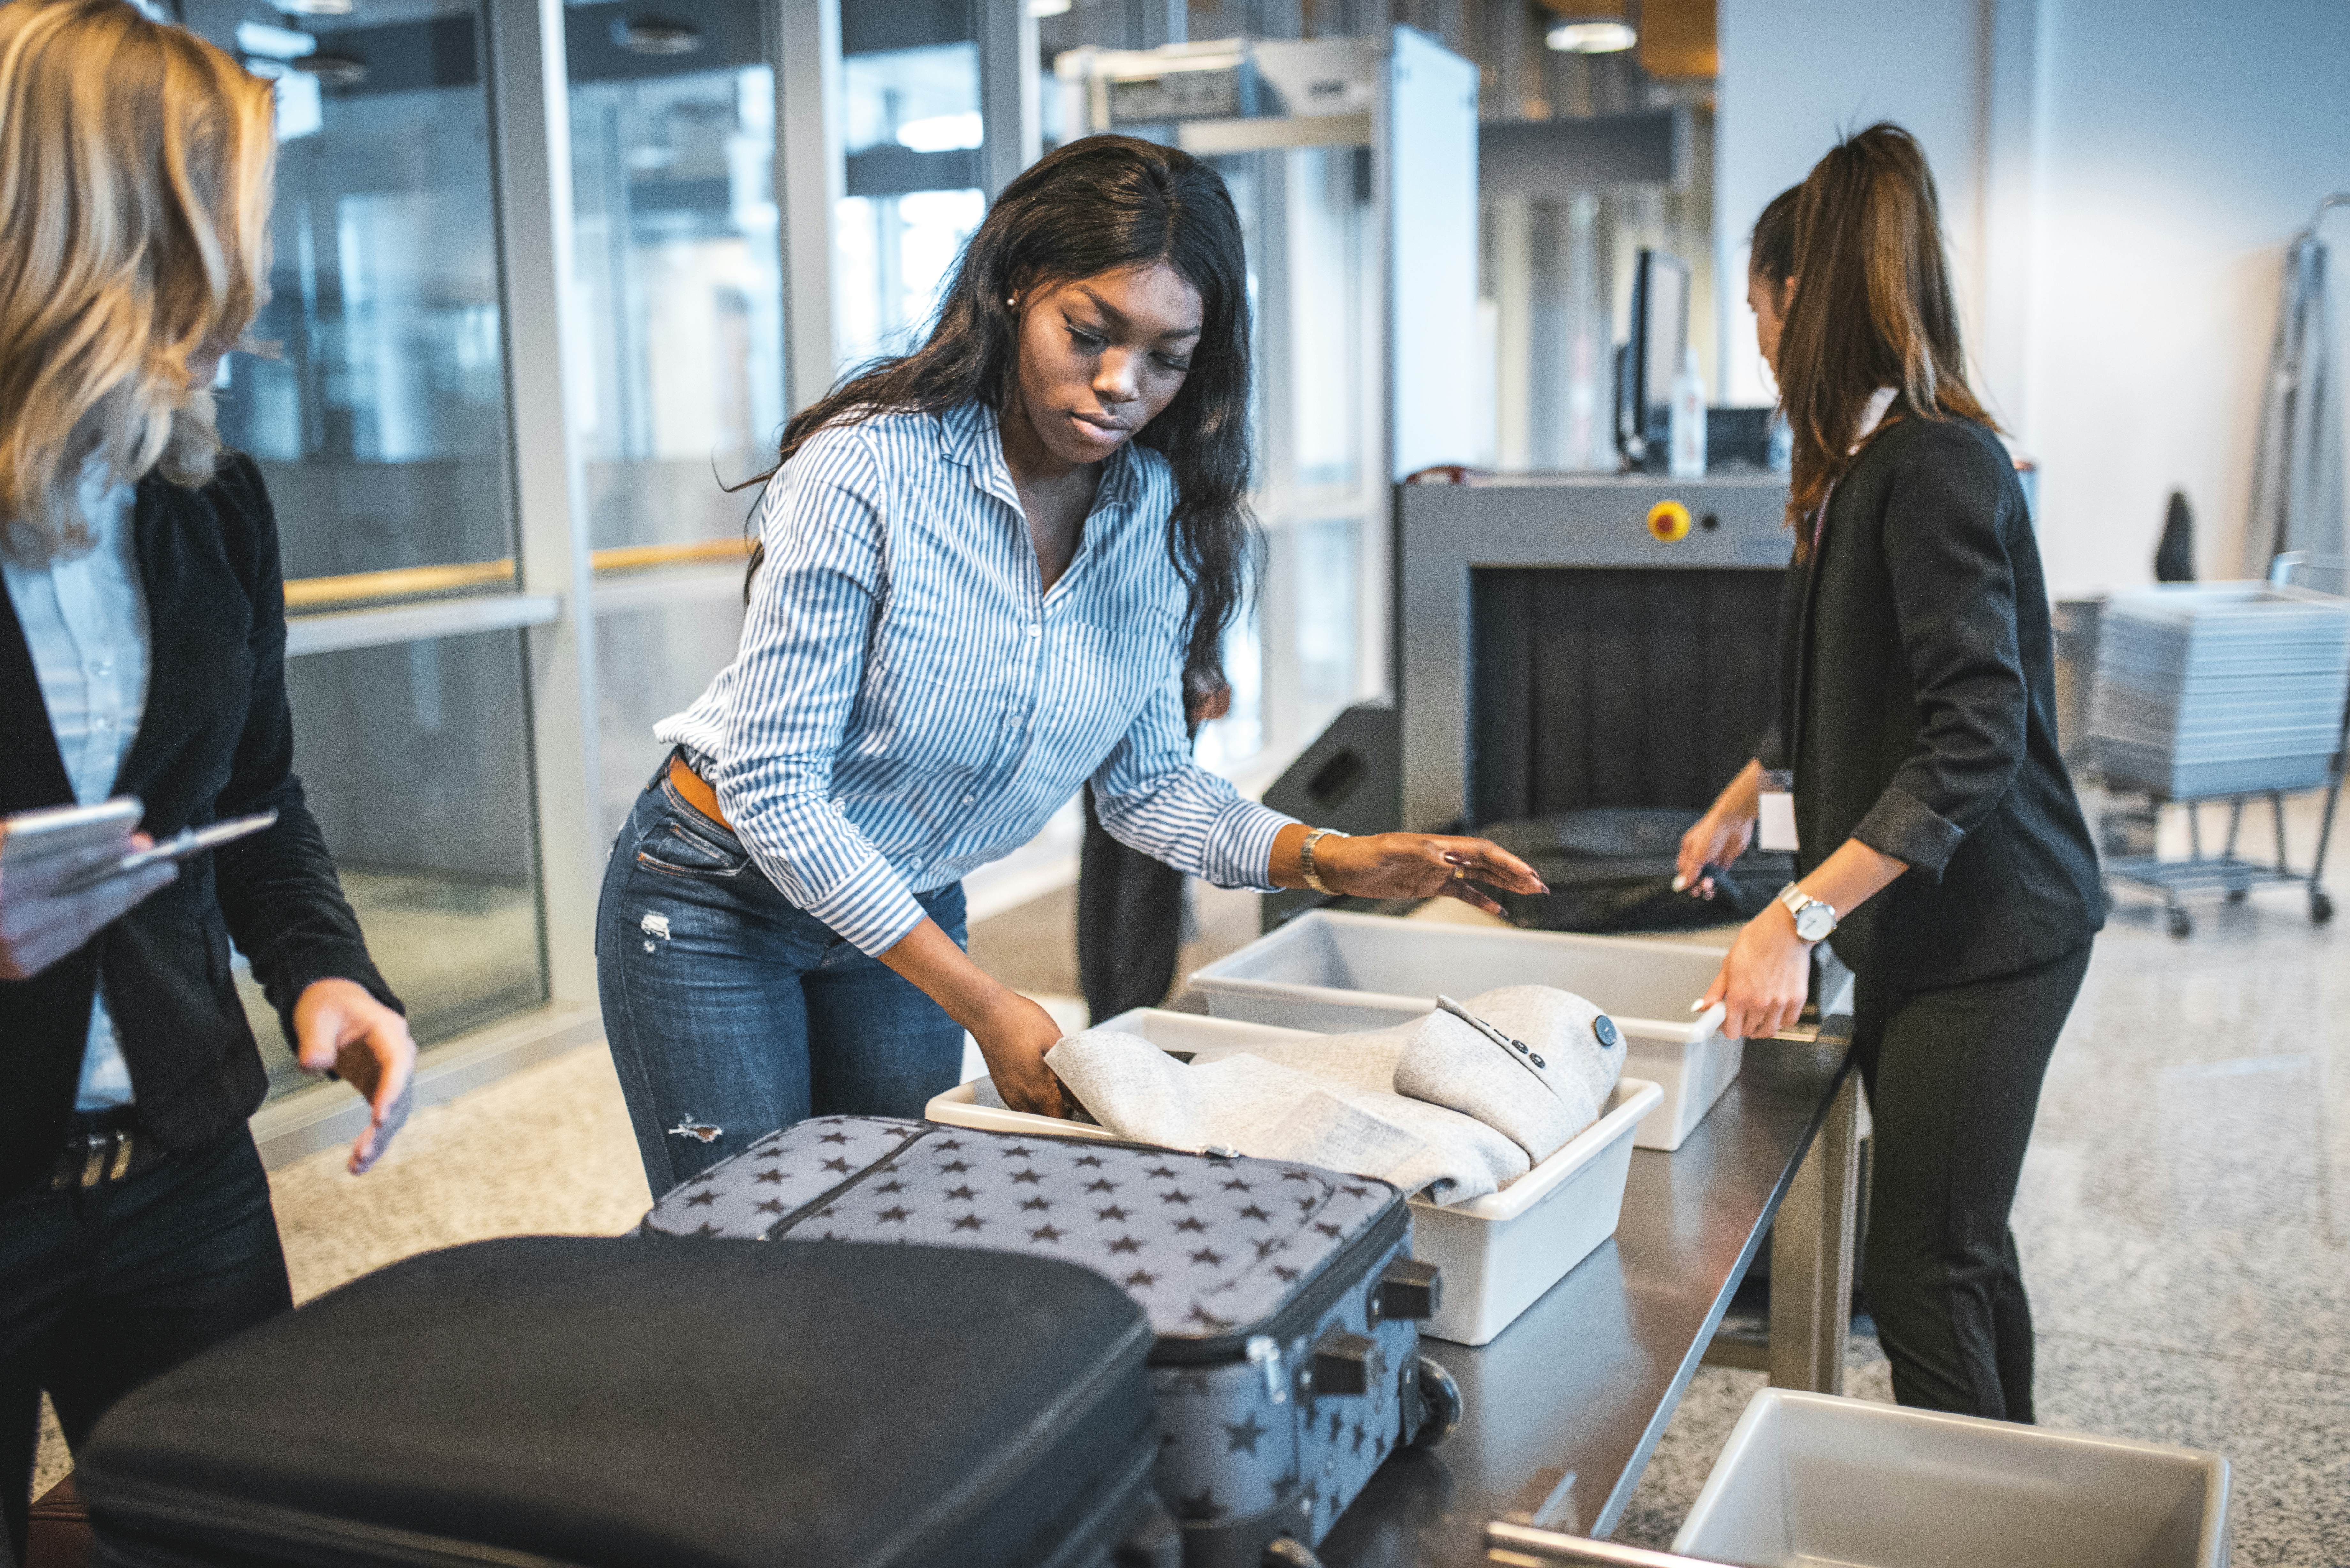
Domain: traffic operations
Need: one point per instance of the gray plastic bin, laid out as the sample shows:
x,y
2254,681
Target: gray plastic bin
x,y
1811,1479
1335,972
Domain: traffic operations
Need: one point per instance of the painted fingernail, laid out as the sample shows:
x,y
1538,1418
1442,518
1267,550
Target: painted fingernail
x,y
1681,883
1699,1005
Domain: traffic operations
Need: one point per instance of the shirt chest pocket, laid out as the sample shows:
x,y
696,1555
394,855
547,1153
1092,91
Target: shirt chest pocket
x,y
934,642
1106,674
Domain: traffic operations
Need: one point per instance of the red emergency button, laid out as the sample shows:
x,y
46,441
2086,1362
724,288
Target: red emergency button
x,y
1669,522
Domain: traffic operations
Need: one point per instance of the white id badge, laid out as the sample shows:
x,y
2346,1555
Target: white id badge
x,y
1774,829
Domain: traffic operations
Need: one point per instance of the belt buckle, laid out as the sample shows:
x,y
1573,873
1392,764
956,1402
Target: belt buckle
x,y
105,1157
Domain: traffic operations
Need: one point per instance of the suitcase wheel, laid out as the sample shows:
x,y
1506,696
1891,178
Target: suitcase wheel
x,y
1440,1404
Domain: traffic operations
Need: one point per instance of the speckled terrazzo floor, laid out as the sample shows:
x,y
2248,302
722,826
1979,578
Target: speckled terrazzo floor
x,y
2185,1215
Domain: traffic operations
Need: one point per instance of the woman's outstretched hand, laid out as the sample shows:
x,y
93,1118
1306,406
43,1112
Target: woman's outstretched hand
x,y
339,1028
1406,866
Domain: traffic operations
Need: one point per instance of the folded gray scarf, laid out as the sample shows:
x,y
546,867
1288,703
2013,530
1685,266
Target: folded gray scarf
x,y
1275,1112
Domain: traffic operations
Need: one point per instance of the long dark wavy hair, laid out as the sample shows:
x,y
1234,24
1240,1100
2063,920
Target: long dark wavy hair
x,y
1873,308
1102,204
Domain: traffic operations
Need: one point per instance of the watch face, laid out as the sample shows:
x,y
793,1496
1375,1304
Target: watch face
x,y
1815,921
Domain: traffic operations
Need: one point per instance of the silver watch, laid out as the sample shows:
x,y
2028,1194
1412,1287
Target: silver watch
x,y
1306,858
1814,920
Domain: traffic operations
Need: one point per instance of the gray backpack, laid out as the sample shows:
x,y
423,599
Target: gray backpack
x,y
1284,1298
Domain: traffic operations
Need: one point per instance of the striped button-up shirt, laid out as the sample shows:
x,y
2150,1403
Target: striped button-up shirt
x,y
909,702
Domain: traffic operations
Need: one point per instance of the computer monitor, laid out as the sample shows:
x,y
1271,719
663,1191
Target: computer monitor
x,y
1651,358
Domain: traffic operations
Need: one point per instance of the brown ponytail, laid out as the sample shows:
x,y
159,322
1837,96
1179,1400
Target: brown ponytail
x,y
1872,307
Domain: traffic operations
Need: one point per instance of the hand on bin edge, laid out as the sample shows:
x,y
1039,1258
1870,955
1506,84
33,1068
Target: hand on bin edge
x,y
1012,1035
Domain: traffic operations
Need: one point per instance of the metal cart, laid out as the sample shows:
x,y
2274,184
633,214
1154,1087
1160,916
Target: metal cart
x,y
2227,872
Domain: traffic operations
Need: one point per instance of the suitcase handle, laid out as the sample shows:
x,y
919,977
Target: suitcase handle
x,y
1523,1543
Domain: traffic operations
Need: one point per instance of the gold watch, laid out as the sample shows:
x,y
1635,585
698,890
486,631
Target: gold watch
x,y
1306,858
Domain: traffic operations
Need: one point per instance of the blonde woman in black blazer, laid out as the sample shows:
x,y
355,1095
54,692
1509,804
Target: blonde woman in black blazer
x,y
1941,848
143,641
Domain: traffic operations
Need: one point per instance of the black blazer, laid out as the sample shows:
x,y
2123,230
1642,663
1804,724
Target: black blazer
x,y
216,741
1919,713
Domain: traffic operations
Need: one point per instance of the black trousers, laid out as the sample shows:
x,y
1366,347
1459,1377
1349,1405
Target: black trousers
x,y
1130,923
102,1288
1953,1078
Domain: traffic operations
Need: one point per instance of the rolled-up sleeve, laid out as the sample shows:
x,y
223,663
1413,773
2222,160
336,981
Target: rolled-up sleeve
x,y
1954,592
806,636
1152,796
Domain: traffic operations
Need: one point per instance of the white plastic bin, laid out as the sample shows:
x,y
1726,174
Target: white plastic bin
x,y
1810,1478
1333,973
1499,1252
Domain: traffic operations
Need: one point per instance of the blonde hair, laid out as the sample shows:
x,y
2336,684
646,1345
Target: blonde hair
x,y
136,162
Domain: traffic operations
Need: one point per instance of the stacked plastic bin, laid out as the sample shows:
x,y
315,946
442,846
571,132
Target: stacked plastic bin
x,y
2227,688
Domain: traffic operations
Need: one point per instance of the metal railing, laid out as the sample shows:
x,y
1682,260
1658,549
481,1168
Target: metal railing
x,y
349,588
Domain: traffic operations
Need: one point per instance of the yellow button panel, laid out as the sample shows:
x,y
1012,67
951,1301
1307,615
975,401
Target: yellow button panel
x,y
1669,522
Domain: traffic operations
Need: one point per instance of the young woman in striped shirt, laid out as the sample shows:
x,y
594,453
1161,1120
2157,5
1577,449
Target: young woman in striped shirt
x,y
983,572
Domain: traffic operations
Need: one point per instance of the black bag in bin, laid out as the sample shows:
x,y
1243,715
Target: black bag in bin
x,y
1610,868
576,1402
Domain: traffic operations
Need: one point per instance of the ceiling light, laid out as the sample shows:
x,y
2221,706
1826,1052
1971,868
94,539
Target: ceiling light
x,y
652,36
1592,37
333,70
943,132
314,8
277,43
1048,7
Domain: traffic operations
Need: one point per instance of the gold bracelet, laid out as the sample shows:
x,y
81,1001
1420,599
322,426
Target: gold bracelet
x,y
1306,858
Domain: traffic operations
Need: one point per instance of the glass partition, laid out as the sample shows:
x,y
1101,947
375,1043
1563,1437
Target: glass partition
x,y
378,414
677,252
678,257
413,760
658,643
910,99
1314,643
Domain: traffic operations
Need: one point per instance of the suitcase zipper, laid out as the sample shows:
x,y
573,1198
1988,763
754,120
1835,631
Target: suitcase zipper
x,y
870,1171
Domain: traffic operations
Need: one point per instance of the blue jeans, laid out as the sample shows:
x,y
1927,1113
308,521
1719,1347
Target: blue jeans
x,y
731,1012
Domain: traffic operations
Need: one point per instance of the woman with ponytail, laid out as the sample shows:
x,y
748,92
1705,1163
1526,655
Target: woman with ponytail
x,y
986,572
1940,847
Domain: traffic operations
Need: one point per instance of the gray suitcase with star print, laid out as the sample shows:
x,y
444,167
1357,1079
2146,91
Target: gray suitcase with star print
x,y
1284,1297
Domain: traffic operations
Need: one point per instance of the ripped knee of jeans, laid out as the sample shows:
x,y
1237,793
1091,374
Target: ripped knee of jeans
x,y
700,1132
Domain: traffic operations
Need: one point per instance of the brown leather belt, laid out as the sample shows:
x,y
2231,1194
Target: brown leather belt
x,y
694,791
